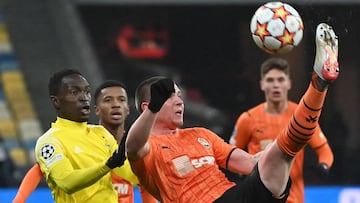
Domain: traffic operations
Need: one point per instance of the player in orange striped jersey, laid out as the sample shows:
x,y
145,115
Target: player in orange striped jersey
x,y
260,125
182,165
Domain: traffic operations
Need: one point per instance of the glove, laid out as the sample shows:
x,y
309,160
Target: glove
x,y
118,158
323,170
160,92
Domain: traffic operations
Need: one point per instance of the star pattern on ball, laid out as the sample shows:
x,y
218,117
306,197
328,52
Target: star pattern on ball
x,y
287,38
261,31
281,13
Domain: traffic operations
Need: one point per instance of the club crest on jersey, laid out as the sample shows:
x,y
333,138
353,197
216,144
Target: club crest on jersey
x,y
47,151
203,142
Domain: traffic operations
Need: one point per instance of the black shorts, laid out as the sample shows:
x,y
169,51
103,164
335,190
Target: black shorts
x,y
252,190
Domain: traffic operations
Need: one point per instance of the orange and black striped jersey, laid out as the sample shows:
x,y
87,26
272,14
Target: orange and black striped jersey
x,y
256,128
184,166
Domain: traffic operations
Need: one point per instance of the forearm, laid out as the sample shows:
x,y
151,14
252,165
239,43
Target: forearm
x,y
241,162
139,134
28,184
76,180
325,155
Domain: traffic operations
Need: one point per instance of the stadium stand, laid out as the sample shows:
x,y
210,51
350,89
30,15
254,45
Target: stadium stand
x,y
19,126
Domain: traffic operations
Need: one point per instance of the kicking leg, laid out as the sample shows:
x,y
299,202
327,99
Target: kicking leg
x,y
276,163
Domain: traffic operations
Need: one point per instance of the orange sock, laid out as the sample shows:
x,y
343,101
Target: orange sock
x,y
303,122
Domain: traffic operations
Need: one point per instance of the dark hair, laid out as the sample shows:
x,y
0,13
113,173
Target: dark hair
x,y
107,83
142,92
56,78
274,63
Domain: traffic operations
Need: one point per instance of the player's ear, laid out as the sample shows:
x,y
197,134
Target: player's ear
x,y
144,105
290,84
261,85
127,110
96,110
55,101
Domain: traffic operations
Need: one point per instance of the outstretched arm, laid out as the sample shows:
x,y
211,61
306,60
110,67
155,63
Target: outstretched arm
x,y
242,162
323,151
60,170
137,142
29,183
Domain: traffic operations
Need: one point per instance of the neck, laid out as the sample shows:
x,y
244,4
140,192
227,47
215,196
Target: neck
x,y
117,131
156,130
276,107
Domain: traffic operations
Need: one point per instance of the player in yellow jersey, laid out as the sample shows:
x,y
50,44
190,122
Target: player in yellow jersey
x,y
182,165
112,108
259,126
76,158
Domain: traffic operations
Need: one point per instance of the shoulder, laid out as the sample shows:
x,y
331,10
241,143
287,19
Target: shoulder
x,y
98,129
252,112
256,109
95,127
292,105
197,131
101,132
48,148
49,136
194,129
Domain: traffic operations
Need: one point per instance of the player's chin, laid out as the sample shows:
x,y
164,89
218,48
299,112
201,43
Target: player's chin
x,y
84,117
179,122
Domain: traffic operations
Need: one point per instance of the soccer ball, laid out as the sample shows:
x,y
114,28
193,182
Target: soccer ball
x,y
276,28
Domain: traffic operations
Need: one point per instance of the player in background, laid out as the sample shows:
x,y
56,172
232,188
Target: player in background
x,y
260,125
182,165
74,156
111,106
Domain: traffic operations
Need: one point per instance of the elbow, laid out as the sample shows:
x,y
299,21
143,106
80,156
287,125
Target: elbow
x,y
69,190
133,146
135,150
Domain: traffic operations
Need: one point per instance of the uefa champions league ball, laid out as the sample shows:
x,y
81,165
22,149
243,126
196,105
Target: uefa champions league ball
x,y
276,28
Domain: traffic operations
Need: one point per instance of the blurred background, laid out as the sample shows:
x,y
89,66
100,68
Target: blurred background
x,y
205,45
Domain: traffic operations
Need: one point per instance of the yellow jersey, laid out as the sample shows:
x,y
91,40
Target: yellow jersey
x,y
72,157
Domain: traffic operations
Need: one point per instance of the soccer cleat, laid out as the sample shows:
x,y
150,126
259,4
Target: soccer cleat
x,y
326,65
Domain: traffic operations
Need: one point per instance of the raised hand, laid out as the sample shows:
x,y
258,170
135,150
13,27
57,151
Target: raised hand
x,y
160,92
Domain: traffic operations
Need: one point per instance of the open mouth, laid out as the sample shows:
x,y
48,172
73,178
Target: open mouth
x,y
116,115
179,112
85,109
276,93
